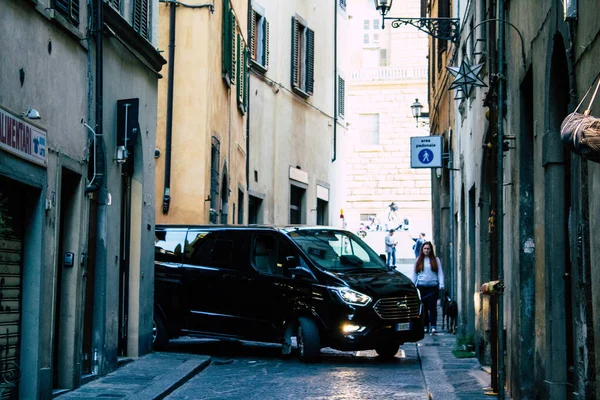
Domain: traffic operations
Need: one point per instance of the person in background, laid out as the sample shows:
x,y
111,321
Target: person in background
x,y
418,243
428,277
390,249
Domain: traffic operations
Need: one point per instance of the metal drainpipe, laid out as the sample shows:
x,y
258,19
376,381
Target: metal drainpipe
x,y
500,206
169,122
248,122
451,194
335,80
99,307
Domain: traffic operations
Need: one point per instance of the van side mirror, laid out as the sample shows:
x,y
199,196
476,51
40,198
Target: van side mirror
x,y
299,272
383,258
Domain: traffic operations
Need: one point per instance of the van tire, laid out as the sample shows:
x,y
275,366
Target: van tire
x,y
309,343
387,350
160,336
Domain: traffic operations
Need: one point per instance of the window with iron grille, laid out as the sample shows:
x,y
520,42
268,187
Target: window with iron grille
x,y
303,58
68,9
229,45
141,18
214,179
341,97
259,40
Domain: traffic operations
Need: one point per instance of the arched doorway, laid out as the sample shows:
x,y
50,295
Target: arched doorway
x,y
224,196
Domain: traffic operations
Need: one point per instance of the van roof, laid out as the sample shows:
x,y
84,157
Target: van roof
x,y
284,228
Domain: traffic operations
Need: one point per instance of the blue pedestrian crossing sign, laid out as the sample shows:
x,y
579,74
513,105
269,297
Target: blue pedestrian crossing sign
x,y
426,152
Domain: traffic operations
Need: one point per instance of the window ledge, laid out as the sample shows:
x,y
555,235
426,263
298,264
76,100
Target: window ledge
x,y
300,92
52,15
125,32
258,67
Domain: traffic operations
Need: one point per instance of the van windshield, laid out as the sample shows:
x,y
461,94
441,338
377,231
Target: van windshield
x,y
337,251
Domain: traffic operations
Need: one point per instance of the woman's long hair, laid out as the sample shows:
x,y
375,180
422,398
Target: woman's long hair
x,y
420,263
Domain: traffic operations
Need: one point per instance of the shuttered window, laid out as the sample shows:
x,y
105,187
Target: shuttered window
x,y
444,29
242,75
116,4
303,54
424,6
141,18
229,47
68,9
259,40
369,128
341,97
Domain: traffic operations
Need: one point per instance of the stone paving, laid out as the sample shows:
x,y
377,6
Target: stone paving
x,y
157,375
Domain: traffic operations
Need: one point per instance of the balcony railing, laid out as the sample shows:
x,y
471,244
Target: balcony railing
x,y
389,74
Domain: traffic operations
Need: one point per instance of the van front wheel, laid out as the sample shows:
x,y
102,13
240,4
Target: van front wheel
x,y
309,343
160,336
387,350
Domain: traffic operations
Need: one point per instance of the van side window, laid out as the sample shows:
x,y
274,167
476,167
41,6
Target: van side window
x,y
198,247
168,245
269,254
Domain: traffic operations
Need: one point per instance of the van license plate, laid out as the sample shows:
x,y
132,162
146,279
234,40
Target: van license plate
x,y
403,327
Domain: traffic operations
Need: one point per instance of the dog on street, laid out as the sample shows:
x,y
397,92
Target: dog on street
x,y
449,314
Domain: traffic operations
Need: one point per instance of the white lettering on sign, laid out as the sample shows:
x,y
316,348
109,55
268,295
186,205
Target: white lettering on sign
x,y
22,139
426,152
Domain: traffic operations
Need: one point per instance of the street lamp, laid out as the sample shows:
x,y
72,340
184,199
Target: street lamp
x,y
441,28
383,6
416,108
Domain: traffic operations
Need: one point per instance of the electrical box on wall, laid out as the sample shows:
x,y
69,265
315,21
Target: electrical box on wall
x,y
570,9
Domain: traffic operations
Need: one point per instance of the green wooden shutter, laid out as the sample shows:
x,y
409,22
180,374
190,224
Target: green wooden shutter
x,y
140,17
233,48
240,71
246,82
341,97
225,50
295,53
69,9
266,45
310,60
253,50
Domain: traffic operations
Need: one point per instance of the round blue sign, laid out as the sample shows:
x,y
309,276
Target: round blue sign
x,y
425,156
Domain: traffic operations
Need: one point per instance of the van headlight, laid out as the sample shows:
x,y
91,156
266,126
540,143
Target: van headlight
x,y
352,297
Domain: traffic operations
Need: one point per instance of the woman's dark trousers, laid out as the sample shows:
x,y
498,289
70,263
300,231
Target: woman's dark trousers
x,y
429,297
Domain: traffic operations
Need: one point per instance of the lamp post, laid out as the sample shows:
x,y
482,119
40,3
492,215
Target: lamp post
x,y
441,28
416,108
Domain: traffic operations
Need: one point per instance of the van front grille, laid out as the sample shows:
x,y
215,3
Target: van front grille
x,y
405,307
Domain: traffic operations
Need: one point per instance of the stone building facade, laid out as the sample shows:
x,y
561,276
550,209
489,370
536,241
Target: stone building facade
x,y
548,220
77,137
389,72
203,106
294,97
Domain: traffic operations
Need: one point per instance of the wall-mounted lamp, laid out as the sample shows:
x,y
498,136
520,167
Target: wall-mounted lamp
x,y
441,28
416,108
32,113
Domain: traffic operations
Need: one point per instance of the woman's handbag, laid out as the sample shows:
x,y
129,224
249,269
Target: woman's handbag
x,y
581,132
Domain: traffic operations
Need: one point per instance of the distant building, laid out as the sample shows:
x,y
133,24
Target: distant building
x,y
77,137
294,91
388,72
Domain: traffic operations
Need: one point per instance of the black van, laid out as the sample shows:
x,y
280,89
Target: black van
x,y
323,285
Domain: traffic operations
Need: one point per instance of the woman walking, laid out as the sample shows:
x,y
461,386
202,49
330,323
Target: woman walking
x,y
428,277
